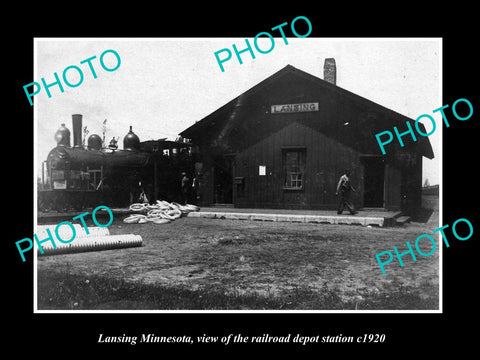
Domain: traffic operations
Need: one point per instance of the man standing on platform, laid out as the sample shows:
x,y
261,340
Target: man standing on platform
x,y
185,186
344,189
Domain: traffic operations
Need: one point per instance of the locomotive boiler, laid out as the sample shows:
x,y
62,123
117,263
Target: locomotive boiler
x,y
83,176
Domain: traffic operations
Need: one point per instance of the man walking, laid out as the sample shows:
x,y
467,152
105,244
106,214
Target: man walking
x,y
344,189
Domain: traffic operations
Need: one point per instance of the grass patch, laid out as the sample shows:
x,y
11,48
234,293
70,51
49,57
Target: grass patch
x,y
68,291
206,264
79,292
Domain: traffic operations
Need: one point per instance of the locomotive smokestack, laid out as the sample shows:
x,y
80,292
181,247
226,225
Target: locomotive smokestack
x,y
77,130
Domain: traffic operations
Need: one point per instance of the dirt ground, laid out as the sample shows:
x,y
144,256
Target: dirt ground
x,y
265,258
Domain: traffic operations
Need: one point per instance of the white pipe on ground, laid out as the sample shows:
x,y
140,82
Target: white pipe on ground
x,y
93,243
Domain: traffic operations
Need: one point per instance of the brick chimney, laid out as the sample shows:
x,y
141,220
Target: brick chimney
x,y
330,71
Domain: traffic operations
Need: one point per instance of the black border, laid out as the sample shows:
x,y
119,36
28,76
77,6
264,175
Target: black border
x,y
67,334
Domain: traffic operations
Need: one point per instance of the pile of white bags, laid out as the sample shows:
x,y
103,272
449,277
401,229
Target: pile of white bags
x,y
162,212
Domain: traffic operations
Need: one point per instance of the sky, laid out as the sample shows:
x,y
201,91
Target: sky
x,y
165,85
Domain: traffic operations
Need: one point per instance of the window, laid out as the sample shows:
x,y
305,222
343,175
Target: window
x,y
294,180
294,168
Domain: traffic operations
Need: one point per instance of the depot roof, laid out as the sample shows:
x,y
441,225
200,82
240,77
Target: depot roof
x,y
342,115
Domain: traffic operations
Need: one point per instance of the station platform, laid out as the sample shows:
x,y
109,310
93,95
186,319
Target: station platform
x,y
363,217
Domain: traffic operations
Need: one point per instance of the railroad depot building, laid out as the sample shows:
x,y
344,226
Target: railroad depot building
x,y
285,142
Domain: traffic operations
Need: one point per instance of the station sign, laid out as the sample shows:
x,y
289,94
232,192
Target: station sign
x,y
294,108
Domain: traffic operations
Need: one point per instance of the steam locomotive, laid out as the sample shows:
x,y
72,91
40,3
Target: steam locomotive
x,y
82,176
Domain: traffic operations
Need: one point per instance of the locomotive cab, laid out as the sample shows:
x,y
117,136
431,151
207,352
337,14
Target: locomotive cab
x,y
74,169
